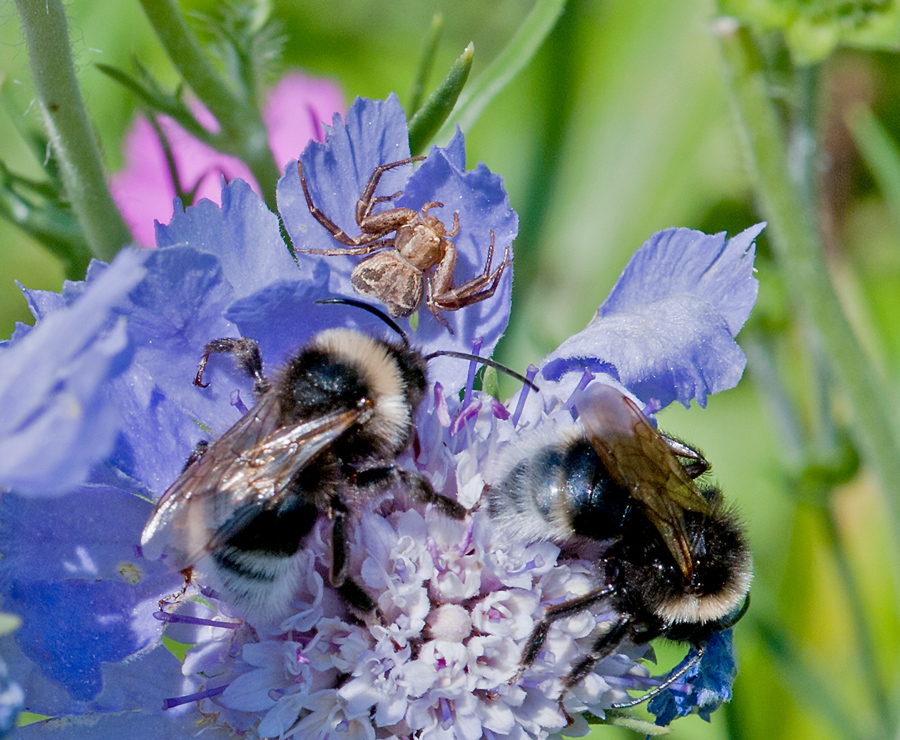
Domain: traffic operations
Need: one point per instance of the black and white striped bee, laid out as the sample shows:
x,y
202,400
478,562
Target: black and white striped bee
x,y
322,437
675,561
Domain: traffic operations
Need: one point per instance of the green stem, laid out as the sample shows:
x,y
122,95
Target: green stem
x,y
243,133
47,37
798,246
865,641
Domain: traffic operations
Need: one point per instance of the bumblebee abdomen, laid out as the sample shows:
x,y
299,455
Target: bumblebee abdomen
x,y
276,531
560,491
526,504
598,507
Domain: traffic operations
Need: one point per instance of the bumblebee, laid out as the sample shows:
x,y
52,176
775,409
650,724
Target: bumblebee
x,y
324,433
674,560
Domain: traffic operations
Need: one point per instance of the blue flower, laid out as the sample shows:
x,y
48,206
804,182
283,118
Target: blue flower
x,y
124,345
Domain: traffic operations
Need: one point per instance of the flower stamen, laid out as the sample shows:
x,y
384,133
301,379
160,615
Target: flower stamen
x,y
586,378
178,701
531,374
188,619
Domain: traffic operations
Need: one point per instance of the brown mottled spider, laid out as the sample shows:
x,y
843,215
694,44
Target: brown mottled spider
x,y
399,277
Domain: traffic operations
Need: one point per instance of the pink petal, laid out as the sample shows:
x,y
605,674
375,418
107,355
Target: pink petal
x,y
144,191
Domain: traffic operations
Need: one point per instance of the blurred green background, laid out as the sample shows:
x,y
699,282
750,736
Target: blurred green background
x,y
619,127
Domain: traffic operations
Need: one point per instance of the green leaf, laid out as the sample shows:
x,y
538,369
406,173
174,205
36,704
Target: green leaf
x,y
813,29
41,211
247,41
428,119
490,382
36,141
29,718
178,649
512,60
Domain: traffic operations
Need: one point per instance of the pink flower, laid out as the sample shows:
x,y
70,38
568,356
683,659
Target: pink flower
x,y
294,111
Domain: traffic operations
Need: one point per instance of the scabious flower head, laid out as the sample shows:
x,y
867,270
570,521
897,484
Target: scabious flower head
x,y
144,188
439,656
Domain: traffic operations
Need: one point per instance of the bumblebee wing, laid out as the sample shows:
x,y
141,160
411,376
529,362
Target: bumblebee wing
x,y
245,470
637,457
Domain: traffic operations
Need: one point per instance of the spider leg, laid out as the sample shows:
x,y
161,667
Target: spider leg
x,y
336,231
603,646
366,201
474,291
338,251
373,228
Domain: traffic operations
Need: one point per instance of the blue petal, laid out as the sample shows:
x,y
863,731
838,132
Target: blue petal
x,y
711,681
669,324
147,724
42,303
58,418
172,314
129,707
12,701
284,317
242,233
70,569
455,151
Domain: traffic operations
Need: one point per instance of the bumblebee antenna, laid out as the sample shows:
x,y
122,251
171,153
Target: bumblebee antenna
x,y
656,691
484,361
372,310
440,353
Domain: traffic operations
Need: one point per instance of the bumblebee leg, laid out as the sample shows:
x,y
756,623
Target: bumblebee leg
x,y
698,464
352,592
553,614
603,646
377,481
355,596
338,543
656,691
246,355
199,451
422,491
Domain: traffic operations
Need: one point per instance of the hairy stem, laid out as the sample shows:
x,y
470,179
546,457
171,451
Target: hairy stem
x,y
71,136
